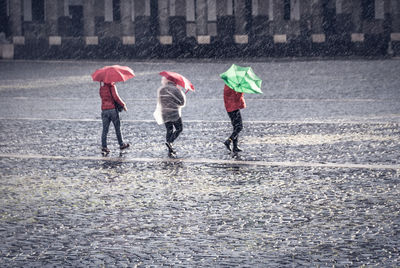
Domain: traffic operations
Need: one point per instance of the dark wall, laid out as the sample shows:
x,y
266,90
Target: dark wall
x,y
337,28
3,18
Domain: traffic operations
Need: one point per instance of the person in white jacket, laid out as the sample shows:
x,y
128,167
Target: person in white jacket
x,y
170,100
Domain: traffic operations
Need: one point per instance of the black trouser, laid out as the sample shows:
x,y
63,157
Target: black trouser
x,y
171,134
236,120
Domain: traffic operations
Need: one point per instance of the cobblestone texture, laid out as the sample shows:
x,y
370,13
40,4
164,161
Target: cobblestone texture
x,y
357,143
102,213
71,211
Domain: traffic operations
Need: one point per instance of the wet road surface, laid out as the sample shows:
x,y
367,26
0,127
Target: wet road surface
x,y
316,185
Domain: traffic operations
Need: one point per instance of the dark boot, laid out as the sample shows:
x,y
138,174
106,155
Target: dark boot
x,y
236,148
105,151
228,144
124,146
170,148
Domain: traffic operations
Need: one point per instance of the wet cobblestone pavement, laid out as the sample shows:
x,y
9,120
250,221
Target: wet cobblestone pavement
x,y
317,184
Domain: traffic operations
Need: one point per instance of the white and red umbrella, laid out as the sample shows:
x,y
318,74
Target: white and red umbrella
x,y
178,79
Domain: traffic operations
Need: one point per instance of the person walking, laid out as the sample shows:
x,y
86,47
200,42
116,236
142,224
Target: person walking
x,y
238,80
170,101
109,97
234,101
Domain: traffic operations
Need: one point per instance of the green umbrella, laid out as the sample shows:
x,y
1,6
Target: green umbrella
x,y
242,79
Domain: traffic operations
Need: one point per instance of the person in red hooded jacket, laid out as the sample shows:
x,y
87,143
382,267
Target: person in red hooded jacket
x,y
109,95
234,101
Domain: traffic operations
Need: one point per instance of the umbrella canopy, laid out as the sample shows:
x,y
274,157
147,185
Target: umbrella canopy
x,y
242,79
178,79
114,73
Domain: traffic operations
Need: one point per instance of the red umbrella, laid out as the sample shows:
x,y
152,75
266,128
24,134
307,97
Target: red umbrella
x,y
178,79
114,73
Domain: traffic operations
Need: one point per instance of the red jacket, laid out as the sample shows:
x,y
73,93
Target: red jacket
x,y
107,101
233,100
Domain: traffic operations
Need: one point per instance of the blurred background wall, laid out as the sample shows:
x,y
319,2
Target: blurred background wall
x,y
109,29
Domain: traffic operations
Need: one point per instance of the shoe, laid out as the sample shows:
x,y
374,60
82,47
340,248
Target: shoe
x,y
236,149
124,146
228,144
105,151
170,148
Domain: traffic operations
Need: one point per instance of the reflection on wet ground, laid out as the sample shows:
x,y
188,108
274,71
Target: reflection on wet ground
x,y
356,143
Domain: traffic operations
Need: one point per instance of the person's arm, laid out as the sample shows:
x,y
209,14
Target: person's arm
x,y
231,95
239,94
180,97
116,97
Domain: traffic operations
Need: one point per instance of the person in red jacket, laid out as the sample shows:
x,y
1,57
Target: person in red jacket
x,y
109,95
234,101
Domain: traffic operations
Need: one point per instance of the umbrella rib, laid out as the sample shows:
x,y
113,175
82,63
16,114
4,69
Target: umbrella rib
x,y
242,79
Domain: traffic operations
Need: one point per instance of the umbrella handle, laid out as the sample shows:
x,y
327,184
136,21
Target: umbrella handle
x,y
187,91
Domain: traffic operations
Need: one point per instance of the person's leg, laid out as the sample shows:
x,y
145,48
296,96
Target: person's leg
x,y
170,130
178,129
117,125
236,148
106,124
169,137
236,120
229,140
237,128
